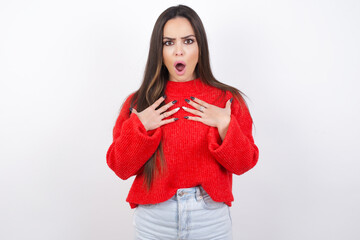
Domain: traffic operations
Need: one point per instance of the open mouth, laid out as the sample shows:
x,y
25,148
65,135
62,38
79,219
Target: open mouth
x,y
180,67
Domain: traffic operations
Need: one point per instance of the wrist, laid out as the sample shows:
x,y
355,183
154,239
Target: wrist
x,y
222,128
223,124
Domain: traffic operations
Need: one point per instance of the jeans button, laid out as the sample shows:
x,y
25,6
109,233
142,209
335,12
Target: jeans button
x,y
181,194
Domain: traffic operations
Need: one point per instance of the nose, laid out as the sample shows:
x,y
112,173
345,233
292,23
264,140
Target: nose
x,y
179,50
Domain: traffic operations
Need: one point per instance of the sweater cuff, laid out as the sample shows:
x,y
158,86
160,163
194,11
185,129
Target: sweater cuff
x,y
134,147
227,151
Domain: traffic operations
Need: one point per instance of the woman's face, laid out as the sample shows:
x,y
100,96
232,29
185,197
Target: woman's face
x,y
180,49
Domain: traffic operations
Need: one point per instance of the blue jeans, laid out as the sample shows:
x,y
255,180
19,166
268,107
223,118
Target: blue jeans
x,y
190,214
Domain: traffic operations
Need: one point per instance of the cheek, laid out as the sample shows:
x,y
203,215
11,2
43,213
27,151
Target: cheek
x,y
195,55
166,56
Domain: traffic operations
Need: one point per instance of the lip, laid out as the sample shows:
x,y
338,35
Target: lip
x,y
182,62
183,71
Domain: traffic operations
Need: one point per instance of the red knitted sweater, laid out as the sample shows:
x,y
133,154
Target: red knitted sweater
x,y
194,152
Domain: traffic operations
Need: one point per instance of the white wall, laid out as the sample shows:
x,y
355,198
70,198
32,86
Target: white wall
x,y
66,67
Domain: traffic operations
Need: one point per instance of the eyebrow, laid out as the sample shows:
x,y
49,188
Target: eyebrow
x,y
191,35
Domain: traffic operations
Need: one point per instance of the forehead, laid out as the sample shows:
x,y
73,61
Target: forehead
x,y
178,27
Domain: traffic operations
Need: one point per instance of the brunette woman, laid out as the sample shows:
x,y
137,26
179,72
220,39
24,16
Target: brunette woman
x,y
182,134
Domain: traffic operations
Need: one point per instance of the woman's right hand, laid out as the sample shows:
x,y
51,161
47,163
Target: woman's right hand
x,y
151,117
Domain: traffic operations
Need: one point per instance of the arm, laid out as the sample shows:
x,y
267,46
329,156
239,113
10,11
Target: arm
x,y
132,145
237,152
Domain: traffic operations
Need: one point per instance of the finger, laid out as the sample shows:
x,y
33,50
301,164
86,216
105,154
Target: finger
x,y
166,106
169,113
198,119
158,102
201,102
133,110
166,121
228,103
193,111
173,111
194,104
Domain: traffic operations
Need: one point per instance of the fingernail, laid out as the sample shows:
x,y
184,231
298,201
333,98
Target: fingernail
x,y
231,99
187,100
192,98
174,101
176,119
130,109
164,96
186,117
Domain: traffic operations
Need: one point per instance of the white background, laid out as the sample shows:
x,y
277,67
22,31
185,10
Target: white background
x,y
67,66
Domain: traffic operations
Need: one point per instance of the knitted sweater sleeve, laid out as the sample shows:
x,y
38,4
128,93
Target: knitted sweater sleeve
x,y
237,152
132,145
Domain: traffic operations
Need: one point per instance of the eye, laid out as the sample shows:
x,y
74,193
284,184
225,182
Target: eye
x,y
187,41
167,43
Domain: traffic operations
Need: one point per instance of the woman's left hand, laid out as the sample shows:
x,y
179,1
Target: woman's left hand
x,y
210,115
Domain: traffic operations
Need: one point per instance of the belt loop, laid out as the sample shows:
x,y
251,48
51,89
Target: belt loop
x,y
198,193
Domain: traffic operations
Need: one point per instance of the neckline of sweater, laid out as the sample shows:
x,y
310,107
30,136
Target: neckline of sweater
x,y
187,88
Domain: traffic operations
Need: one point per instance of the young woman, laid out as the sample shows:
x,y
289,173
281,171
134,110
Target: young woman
x,y
185,135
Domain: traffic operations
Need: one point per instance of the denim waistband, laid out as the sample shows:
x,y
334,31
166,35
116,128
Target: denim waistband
x,y
196,191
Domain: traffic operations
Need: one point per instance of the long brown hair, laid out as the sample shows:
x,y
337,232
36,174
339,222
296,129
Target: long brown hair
x,y
156,75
